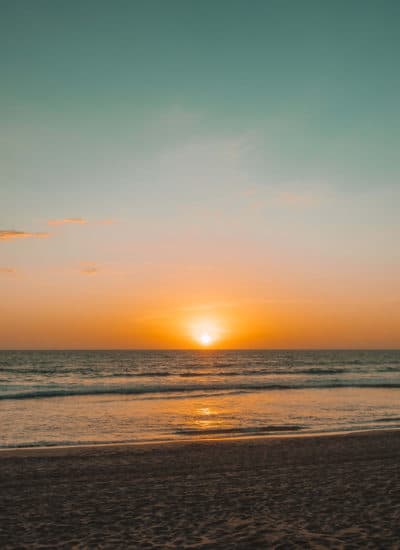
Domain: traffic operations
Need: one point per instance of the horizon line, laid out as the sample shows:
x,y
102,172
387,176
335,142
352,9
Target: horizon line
x,y
206,349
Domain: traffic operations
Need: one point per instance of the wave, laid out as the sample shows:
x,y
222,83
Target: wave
x,y
184,389
71,443
248,430
251,430
91,374
71,392
150,374
387,419
246,372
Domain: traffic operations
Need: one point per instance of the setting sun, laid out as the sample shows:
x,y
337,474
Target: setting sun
x,y
207,331
206,339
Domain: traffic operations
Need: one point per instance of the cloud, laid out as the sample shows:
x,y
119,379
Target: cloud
x,y
80,221
7,271
64,221
88,268
8,234
287,195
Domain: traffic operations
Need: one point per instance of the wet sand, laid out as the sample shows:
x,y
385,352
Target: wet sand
x,y
337,491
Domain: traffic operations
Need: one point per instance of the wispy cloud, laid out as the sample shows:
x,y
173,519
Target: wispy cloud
x,y
9,234
8,271
64,221
296,196
80,221
88,268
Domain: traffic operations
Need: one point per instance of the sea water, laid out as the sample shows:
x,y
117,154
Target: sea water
x,y
89,397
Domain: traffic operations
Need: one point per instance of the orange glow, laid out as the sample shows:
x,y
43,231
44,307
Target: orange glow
x,y
109,309
207,331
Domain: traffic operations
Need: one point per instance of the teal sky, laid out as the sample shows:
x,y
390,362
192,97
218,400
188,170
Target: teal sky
x,y
203,135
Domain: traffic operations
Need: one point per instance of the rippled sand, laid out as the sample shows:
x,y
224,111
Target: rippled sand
x,y
320,492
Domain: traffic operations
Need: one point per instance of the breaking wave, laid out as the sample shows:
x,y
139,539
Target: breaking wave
x,y
186,389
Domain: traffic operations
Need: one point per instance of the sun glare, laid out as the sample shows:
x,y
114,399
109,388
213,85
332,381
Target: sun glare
x,y
206,332
205,339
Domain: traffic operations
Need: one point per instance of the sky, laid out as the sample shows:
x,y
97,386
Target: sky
x,y
181,168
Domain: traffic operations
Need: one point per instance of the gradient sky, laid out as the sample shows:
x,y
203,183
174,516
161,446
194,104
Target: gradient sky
x,y
173,166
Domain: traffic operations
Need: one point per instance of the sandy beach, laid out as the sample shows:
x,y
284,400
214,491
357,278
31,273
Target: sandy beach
x,y
337,491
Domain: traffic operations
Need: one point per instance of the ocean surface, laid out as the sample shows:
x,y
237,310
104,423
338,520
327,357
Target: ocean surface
x,y
93,397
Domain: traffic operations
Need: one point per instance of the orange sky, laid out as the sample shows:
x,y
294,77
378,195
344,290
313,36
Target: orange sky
x,y
112,309
199,164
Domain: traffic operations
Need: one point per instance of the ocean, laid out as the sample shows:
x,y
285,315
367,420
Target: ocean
x,y
50,398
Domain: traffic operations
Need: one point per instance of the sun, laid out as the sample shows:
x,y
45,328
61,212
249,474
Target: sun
x,y
205,339
206,332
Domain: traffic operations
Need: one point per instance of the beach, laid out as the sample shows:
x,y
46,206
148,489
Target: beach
x,y
331,491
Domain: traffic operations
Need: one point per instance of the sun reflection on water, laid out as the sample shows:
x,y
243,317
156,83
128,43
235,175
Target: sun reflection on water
x,y
206,418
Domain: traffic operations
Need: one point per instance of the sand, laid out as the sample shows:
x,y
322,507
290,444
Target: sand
x,y
338,491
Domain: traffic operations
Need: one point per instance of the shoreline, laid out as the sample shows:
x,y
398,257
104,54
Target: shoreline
x,y
42,449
